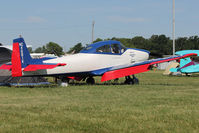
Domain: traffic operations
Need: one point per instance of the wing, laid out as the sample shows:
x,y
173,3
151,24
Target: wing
x,y
126,70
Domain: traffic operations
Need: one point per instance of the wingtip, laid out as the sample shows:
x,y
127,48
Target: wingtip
x,y
188,55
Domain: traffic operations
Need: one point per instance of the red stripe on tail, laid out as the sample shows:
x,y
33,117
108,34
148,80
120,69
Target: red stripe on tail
x,y
16,61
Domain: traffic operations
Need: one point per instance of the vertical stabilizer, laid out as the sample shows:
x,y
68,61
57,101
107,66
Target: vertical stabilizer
x,y
20,57
184,61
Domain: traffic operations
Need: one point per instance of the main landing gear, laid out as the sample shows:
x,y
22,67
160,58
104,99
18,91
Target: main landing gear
x,y
90,80
62,81
130,80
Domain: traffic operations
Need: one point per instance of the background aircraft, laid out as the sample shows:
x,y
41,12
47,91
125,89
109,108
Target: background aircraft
x,y
109,59
187,65
5,54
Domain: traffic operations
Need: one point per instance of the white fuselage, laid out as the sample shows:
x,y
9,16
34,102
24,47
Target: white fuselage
x,y
85,62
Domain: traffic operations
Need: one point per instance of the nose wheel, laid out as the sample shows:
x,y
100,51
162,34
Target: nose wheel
x,y
131,81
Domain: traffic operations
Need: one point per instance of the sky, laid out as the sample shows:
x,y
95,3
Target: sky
x,y
68,22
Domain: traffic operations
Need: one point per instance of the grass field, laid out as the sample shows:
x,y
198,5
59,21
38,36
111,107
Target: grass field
x,y
158,104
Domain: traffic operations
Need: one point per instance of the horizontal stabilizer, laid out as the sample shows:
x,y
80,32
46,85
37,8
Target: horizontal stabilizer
x,y
35,67
6,67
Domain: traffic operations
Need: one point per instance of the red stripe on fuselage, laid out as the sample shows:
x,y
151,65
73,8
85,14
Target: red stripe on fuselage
x,y
16,61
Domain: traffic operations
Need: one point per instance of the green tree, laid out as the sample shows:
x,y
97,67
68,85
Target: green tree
x,y
98,40
161,44
193,42
125,41
40,50
54,48
30,49
76,49
181,43
158,45
139,42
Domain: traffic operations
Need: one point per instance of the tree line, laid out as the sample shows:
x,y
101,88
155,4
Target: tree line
x,y
49,48
158,45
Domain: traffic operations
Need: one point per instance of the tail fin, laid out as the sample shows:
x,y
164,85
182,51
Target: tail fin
x,y
22,61
20,57
185,61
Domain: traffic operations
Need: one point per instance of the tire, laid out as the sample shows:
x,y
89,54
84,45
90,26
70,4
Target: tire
x,y
136,81
129,81
90,81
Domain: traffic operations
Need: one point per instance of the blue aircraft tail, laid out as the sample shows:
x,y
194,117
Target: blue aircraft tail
x,y
20,57
185,62
22,61
25,58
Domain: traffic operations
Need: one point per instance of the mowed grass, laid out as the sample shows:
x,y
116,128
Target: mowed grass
x,y
158,104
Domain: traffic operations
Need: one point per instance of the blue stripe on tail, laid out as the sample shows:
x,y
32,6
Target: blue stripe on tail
x,y
24,53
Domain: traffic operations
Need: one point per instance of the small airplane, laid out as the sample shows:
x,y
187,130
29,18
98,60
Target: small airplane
x,y
187,65
109,59
5,54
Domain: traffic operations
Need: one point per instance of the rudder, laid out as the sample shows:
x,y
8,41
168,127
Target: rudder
x,y
20,57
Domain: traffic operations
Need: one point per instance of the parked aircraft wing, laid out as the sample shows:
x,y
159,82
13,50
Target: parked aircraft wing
x,y
126,70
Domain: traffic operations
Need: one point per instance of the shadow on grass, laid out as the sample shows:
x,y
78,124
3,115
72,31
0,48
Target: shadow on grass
x,y
53,85
162,84
75,83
